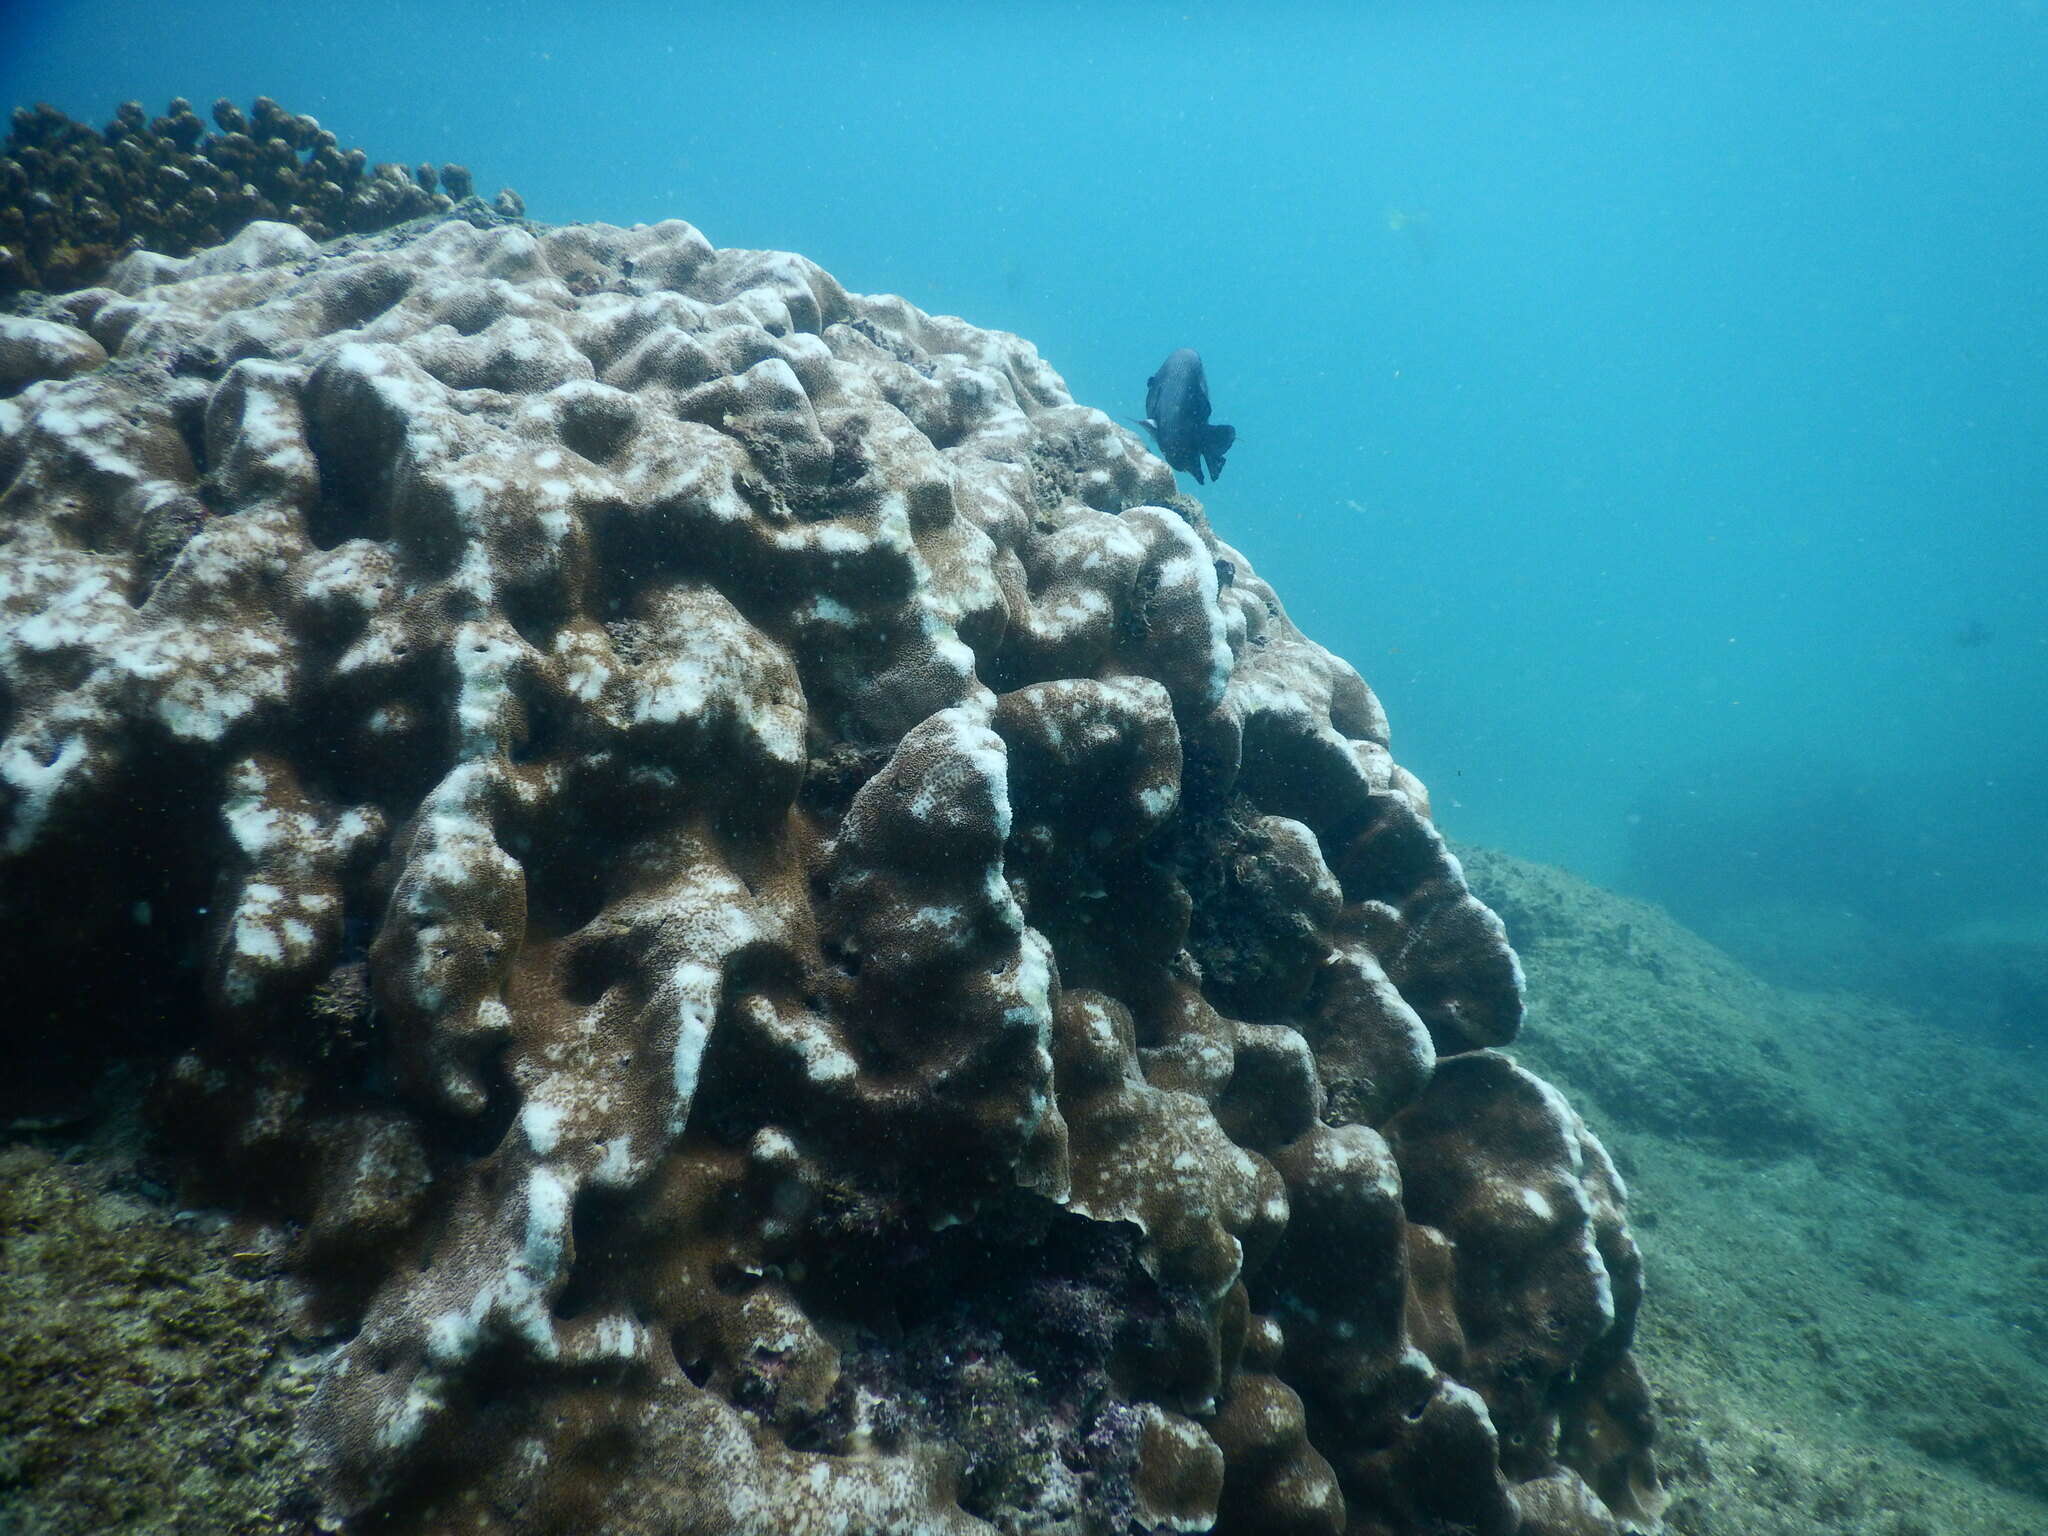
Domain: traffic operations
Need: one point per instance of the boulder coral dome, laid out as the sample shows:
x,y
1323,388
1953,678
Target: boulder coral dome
x,y
795,944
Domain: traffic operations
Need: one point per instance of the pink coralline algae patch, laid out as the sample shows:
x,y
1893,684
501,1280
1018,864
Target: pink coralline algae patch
x,y
797,944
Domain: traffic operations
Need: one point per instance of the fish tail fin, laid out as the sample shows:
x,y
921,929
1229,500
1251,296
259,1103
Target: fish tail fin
x,y
1216,442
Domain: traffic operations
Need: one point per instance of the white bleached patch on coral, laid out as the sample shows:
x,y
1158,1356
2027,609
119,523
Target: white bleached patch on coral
x,y
542,1123
516,1297
485,656
89,613
966,751
547,1224
830,611
616,1338
616,1165
681,690
267,426
204,682
584,675
1031,985
454,859
88,431
253,822
253,933
838,539
1156,800
423,1400
947,919
695,987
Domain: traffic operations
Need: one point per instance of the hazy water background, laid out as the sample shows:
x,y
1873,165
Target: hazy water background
x,y
1652,401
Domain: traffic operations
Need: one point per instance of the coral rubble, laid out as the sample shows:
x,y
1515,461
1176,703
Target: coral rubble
x,y
798,944
73,198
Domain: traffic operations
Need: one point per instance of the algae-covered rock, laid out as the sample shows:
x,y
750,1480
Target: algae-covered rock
x,y
145,1382
1840,1199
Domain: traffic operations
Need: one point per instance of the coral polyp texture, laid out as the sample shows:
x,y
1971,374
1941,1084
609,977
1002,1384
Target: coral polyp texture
x,y
796,943
74,198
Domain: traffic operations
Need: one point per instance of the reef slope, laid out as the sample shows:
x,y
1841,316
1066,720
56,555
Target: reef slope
x,y
1841,1201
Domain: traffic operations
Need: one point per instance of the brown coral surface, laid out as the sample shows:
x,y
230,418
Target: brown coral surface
x,y
798,944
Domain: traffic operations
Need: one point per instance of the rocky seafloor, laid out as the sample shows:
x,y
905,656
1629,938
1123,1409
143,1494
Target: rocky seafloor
x,y
1843,1205
641,895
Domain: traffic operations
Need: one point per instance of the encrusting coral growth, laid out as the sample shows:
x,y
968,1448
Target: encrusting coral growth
x,y
74,199
800,945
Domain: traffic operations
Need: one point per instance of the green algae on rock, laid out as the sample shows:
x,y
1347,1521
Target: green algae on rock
x,y
718,800
143,1383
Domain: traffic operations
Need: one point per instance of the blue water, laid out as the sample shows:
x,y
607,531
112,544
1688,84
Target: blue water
x,y
1649,399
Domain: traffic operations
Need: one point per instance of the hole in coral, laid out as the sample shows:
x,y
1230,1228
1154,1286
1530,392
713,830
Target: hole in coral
x,y
692,1364
355,492
114,969
537,610
593,968
545,721
733,1280
596,1221
566,887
